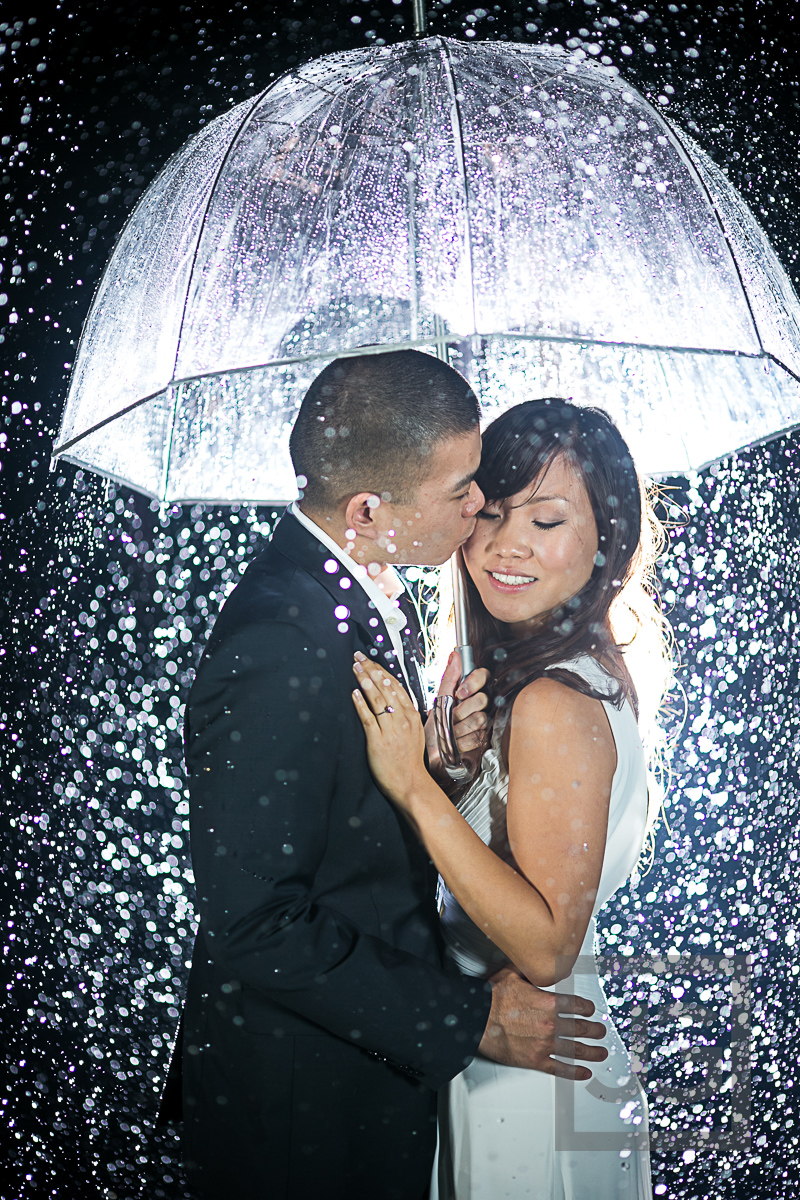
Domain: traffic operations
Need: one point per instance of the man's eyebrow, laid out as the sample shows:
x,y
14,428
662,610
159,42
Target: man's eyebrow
x,y
464,483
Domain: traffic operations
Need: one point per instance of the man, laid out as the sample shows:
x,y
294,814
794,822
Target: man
x,y
320,1021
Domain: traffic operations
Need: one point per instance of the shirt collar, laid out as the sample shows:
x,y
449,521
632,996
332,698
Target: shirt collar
x,y
388,609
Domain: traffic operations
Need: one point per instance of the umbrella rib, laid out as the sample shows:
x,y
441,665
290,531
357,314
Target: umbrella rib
x,y
84,331
420,343
349,107
680,138
749,445
387,125
411,191
220,169
224,500
458,145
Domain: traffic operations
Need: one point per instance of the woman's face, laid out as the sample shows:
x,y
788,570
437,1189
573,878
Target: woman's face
x,y
530,552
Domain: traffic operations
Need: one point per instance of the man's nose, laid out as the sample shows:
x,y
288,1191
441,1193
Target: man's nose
x,y
474,501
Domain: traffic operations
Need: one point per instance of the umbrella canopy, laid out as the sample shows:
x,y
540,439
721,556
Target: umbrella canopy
x,y
520,209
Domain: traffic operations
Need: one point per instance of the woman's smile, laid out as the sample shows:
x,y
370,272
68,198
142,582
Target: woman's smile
x,y
507,581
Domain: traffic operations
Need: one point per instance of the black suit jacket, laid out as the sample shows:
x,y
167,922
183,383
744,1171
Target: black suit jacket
x,y
316,901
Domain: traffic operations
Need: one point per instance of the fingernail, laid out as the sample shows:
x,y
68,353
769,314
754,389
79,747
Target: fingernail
x,y
461,693
359,656
357,667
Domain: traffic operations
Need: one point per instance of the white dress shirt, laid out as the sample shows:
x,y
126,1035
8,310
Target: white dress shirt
x,y
388,610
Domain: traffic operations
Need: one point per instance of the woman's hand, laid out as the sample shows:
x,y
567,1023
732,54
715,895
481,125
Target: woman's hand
x,y
395,734
471,723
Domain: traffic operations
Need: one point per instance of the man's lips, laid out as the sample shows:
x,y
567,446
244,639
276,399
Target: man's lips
x,y
508,581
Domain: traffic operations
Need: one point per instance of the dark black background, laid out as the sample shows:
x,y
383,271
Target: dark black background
x,y
95,98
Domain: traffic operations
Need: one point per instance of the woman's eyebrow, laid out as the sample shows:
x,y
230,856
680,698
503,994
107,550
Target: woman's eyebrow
x,y
536,499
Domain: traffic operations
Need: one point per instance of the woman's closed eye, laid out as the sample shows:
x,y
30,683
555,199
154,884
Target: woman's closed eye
x,y
548,524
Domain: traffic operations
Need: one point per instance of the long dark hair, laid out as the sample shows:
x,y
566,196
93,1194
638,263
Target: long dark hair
x,y
517,450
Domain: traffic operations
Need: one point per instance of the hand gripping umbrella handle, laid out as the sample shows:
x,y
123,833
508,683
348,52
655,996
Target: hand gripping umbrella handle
x,y
443,706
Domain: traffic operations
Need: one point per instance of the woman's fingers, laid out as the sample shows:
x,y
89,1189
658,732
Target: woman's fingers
x,y
471,733
475,723
474,704
376,688
380,688
452,675
468,742
470,719
368,720
474,684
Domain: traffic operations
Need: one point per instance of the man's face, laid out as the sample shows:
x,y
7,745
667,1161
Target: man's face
x,y
442,515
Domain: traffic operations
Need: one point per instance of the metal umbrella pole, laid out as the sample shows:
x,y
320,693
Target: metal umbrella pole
x,y
443,706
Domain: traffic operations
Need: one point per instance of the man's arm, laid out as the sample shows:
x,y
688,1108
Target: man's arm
x,y
264,742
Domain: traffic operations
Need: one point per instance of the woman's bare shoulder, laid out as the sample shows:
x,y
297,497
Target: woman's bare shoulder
x,y
550,714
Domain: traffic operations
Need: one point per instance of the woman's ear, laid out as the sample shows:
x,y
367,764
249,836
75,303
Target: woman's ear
x,y
360,515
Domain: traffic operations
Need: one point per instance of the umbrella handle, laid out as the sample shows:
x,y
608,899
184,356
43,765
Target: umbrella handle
x,y
452,761
443,706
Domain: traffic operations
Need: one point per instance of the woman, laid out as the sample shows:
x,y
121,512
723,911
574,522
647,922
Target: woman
x,y
556,818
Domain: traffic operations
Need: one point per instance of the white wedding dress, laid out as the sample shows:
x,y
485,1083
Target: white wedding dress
x,y
506,1133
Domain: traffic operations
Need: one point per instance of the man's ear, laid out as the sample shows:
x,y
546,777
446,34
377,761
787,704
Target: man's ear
x,y
360,515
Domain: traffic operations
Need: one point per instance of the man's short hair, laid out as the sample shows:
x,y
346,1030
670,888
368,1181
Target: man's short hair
x,y
370,424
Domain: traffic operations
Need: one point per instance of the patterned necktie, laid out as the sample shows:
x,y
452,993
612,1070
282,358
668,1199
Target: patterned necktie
x,y
413,648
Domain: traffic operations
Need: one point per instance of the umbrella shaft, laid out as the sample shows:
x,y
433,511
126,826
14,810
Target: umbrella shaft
x,y
462,634
420,18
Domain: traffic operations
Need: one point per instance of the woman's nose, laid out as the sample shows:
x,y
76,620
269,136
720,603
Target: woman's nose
x,y
506,549
507,543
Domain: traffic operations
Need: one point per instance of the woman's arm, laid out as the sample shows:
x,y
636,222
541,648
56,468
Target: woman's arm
x,y
561,763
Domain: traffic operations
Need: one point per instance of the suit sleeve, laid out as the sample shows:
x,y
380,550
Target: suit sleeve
x,y
263,741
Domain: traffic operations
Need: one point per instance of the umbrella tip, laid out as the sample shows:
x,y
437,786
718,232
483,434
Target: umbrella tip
x,y
420,18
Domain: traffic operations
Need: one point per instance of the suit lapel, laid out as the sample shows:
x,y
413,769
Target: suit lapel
x,y
348,600
413,645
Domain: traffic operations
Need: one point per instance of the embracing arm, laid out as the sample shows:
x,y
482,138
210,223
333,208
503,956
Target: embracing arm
x,y
264,744
561,763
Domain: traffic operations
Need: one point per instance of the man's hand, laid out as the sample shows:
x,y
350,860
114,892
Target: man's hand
x,y
526,1028
471,723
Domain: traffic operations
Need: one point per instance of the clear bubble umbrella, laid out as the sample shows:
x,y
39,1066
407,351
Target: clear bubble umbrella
x,y
523,211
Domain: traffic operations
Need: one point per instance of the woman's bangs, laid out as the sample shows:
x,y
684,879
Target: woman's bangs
x,y
515,461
